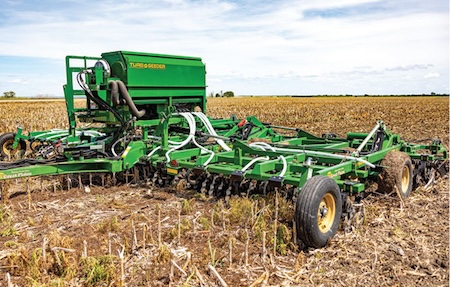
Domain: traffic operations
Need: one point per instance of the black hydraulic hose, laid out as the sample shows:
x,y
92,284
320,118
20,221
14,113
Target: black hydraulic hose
x,y
115,93
117,135
247,130
99,101
124,93
104,105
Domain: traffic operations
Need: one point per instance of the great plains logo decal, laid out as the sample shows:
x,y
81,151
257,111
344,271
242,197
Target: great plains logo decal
x,y
15,175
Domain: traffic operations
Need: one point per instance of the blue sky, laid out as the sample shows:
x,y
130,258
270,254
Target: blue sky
x,y
283,47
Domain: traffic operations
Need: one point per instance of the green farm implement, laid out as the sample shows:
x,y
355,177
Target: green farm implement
x,y
143,121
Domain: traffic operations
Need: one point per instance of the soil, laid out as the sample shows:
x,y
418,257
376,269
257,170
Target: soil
x,y
399,243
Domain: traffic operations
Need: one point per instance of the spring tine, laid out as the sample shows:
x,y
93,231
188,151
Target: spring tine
x,y
144,171
160,182
265,187
243,187
236,187
80,184
182,174
252,187
136,174
155,178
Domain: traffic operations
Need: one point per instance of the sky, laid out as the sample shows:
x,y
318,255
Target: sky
x,y
253,47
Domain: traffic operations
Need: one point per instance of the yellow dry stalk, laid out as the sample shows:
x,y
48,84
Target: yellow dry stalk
x,y
58,240
34,115
341,115
314,114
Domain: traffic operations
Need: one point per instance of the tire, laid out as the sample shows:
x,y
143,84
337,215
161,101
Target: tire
x,y
397,174
318,211
6,141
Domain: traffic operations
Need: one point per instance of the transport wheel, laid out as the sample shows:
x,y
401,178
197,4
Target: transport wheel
x,y
6,142
318,211
397,174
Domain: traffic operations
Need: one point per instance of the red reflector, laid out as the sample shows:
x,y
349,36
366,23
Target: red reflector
x,y
174,162
242,123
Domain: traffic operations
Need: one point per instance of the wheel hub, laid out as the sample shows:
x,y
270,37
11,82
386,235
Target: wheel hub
x,y
323,211
326,213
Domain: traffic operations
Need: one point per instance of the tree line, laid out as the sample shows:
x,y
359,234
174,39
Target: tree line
x,y
227,94
9,95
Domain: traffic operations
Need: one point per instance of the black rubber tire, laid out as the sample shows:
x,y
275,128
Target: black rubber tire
x,y
6,140
317,191
397,174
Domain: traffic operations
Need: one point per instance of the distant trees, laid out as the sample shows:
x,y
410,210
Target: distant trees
x,y
9,94
227,94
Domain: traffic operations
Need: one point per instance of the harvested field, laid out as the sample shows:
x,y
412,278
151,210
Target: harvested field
x,y
414,118
145,236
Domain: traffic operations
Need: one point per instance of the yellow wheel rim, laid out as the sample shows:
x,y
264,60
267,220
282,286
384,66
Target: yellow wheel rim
x,y
405,179
326,213
7,147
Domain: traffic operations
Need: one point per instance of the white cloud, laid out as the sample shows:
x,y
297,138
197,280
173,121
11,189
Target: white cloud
x,y
17,81
432,75
328,41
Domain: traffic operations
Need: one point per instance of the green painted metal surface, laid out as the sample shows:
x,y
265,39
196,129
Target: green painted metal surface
x,y
145,70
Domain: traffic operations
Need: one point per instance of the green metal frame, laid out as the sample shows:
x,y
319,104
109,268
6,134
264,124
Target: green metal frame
x,y
161,83
325,157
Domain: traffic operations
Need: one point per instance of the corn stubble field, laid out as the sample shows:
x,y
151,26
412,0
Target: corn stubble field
x,y
145,236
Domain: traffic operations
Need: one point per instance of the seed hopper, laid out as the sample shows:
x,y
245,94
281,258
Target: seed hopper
x,y
143,120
